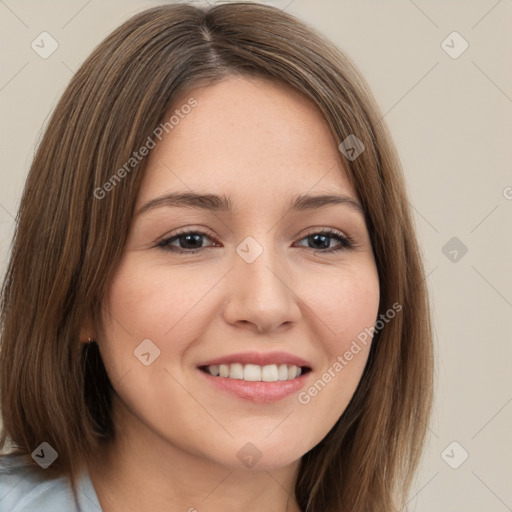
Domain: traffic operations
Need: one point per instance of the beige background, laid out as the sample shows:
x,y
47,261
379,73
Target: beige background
x,y
452,123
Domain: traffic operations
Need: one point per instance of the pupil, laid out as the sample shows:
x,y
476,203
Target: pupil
x,y
197,239
317,237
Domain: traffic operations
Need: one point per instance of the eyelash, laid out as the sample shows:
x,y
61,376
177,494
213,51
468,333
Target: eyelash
x,y
346,243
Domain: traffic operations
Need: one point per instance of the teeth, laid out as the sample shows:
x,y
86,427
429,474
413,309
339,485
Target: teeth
x,y
283,372
269,373
236,371
255,373
214,370
252,372
292,372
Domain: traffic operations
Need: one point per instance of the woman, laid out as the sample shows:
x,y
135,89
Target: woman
x,y
281,362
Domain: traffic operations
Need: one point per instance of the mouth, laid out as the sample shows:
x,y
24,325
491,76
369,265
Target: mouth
x,y
256,373
255,376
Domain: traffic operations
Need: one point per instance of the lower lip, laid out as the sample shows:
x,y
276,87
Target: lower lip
x,y
258,391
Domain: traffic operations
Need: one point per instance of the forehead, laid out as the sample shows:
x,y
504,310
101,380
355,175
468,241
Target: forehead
x,y
246,136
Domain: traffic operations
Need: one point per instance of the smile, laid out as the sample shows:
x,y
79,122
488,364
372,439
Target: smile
x,y
256,373
257,376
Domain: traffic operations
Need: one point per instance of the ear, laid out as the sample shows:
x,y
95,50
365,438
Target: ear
x,y
87,331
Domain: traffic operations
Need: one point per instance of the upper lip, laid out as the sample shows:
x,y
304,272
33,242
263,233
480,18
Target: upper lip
x,y
259,358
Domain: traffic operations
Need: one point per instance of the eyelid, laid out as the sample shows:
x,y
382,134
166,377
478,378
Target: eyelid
x,y
163,243
346,242
189,229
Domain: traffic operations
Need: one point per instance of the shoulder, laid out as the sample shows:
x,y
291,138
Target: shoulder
x,y
25,488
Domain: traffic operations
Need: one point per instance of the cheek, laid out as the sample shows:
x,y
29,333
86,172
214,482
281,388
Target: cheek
x,y
347,309
345,303
150,302
146,302
176,307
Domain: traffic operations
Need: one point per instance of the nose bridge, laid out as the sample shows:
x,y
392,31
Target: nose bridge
x,y
259,292
257,264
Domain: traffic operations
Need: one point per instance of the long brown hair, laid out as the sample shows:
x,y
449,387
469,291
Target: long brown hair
x,y
68,242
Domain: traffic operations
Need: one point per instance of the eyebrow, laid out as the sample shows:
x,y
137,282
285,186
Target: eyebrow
x,y
213,202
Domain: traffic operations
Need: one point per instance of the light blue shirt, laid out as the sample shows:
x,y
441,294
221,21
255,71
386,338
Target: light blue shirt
x,y
24,489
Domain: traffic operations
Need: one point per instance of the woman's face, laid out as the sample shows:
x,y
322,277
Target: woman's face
x,y
261,293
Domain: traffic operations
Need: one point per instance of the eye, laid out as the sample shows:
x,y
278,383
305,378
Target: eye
x,y
321,238
191,241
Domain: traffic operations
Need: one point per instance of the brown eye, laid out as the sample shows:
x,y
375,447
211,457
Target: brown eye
x,y
189,242
320,241
192,241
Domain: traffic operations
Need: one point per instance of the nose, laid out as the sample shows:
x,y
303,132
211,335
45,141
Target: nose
x,y
260,295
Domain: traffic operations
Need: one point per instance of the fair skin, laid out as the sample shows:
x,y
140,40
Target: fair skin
x,y
178,436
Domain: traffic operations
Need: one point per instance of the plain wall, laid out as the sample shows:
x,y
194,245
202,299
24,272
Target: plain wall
x,y
451,120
